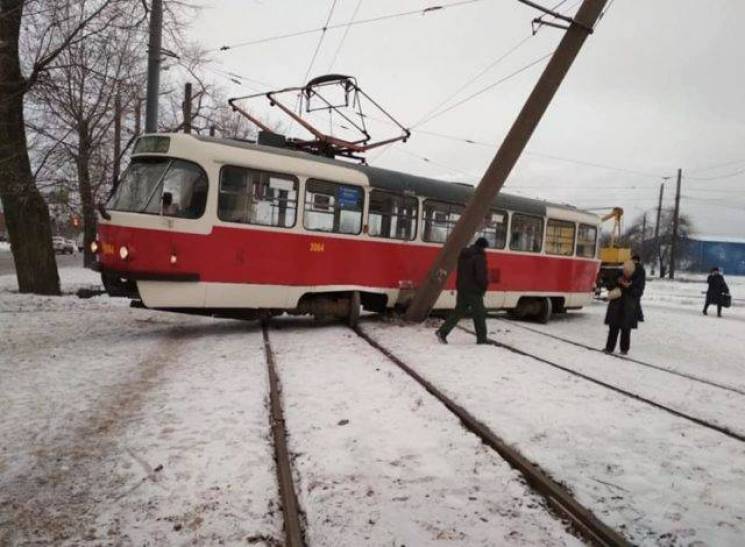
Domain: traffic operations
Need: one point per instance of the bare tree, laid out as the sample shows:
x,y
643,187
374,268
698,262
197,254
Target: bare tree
x,y
660,251
50,27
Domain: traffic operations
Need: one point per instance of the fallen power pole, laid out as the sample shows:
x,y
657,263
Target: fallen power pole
x,y
676,215
507,155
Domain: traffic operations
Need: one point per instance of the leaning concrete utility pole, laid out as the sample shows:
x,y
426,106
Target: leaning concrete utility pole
x,y
187,108
657,250
507,155
676,214
153,66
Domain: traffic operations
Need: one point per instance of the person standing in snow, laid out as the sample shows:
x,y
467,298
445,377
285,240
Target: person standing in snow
x,y
471,284
716,291
639,280
622,314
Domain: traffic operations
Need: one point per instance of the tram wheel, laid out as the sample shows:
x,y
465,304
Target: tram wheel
x,y
545,310
355,303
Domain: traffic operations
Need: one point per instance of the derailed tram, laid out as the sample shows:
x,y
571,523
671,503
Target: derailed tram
x,y
228,228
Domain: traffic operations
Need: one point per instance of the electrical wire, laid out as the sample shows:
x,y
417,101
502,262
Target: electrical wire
x,y
379,18
344,36
484,90
491,65
320,41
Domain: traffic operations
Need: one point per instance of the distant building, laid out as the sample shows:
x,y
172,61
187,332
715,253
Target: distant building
x,y
705,252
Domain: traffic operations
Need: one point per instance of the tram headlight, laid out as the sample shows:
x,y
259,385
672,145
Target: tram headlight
x,y
123,252
94,247
174,258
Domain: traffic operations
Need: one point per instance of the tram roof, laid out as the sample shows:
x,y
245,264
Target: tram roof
x,y
396,181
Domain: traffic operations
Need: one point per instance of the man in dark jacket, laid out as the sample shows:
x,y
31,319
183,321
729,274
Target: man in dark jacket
x,y
717,288
639,281
471,283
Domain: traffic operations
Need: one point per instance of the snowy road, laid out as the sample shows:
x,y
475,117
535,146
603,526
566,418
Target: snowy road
x,y
381,462
659,478
128,426
132,427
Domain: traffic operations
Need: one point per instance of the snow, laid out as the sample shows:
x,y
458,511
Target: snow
x,y
5,246
718,239
127,426
380,462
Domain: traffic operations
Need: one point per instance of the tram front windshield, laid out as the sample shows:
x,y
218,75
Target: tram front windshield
x,y
161,186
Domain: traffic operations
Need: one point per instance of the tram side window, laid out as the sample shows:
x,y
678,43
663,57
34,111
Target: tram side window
x,y
494,229
526,234
333,207
439,220
587,240
560,237
392,216
250,196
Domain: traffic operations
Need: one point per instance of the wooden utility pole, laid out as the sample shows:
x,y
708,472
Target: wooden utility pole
x,y
657,248
117,141
187,108
506,158
642,252
674,242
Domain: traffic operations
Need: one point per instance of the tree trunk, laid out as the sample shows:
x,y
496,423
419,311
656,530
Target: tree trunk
x,y
26,212
86,192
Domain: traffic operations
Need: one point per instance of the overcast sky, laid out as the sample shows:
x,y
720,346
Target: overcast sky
x,y
658,87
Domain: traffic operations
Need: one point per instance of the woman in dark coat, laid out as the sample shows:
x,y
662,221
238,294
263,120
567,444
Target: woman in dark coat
x,y
622,314
717,288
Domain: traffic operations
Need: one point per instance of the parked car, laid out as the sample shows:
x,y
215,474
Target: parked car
x,y
62,245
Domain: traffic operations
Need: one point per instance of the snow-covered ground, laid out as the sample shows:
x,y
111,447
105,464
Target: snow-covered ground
x,y
381,462
123,426
126,426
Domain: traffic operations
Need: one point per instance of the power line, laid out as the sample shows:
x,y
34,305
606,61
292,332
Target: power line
x,y
379,18
540,154
716,166
344,37
474,78
320,41
718,177
485,89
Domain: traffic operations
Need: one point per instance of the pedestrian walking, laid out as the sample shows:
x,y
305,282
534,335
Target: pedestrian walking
x,y
622,314
639,280
717,292
471,283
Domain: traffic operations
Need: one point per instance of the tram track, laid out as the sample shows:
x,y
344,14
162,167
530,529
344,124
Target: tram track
x,y
628,359
586,524
293,527
699,421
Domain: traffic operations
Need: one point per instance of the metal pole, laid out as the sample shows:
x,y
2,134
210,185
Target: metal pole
x,y
674,242
657,250
505,159
117,140
138,116
644,237
153,66
187,108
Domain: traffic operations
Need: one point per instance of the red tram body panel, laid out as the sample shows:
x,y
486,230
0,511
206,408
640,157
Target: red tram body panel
x,y
238,226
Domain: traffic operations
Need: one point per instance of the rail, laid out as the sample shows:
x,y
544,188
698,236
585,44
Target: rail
x,y
292,522
584,521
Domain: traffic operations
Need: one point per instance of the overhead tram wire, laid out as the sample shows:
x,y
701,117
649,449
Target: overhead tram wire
x,y
425,11
491,65
484,90
344,36
320,41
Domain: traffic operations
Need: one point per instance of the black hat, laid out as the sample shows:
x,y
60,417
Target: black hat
x,y
715,269
636,258
482,242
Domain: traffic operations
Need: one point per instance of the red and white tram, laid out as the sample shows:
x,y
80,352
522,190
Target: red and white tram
x,y
208,225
